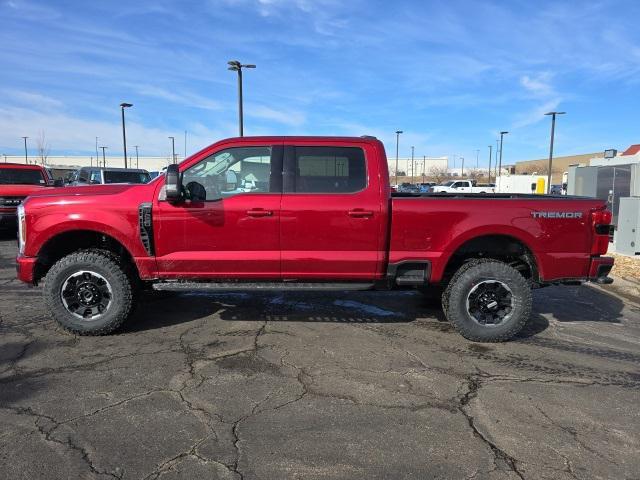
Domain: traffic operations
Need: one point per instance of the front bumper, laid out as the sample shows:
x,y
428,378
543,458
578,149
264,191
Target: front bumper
x,y
25,268
599,270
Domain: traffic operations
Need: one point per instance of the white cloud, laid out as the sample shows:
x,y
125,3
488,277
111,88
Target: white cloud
x,y
535,115
73,134
285,117
186,99
538,85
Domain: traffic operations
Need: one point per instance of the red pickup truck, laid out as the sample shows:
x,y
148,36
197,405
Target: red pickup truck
x,y
290,213
17,181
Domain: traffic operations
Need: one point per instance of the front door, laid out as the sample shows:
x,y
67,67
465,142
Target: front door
x,y
331,214
228,224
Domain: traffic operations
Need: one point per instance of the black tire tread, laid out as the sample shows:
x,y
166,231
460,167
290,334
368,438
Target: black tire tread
x,y
106,260
499,268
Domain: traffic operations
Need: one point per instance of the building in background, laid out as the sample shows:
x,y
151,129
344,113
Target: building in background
x,y
420,165
72,161
559,166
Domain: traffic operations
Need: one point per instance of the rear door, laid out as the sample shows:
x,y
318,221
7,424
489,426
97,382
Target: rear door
x,y
331,215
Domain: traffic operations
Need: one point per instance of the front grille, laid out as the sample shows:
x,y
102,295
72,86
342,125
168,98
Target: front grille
x,y
11,201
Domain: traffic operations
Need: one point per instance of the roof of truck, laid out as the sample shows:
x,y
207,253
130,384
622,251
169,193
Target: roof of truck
x,y
21,165
305,138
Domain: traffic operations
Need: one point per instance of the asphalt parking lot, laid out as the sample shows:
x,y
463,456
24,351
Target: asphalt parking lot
x,y
318,386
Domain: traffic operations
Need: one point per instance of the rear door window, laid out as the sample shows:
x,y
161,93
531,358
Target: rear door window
x,y
328,170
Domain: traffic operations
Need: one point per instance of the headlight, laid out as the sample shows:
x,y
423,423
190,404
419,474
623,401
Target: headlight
x,y
22,228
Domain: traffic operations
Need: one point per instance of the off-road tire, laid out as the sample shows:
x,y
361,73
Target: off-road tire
x,y
105,263
454,300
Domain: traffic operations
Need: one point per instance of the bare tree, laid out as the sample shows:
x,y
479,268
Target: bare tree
x,y
438,174
43,147
475,174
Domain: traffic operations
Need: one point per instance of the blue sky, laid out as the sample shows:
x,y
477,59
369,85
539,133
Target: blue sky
x,y
451,74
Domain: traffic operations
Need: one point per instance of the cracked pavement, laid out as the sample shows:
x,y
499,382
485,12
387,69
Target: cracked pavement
x,y
319,386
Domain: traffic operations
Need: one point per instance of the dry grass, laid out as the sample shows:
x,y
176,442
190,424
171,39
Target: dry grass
x,y
626,267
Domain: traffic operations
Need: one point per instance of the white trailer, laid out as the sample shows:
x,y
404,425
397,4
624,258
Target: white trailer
x,y
521,184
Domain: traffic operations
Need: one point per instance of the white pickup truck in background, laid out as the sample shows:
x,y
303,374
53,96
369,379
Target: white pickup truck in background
x,y
462,186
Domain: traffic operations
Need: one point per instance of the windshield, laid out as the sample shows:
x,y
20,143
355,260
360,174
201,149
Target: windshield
x,y
21,176
447,184
126,177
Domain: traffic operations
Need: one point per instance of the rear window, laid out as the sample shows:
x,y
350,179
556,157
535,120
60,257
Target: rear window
x,y
330,170
21,176
126,177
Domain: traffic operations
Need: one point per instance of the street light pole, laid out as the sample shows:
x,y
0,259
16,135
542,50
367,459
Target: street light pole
x,y
26,158
173,149
477,158
137,158
495,164
412,163
124,133
398,132
236,66
502,134
462,172
490,155
553,130
104,158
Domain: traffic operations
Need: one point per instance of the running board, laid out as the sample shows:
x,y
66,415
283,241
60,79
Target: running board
x,y
260,286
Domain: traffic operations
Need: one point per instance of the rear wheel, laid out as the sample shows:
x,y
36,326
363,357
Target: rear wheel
x,y
488,301
89,292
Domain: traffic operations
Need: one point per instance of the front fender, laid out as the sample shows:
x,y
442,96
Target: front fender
x,y
46,225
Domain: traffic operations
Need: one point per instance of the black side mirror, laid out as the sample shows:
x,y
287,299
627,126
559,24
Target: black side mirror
x,y
173,183
58,182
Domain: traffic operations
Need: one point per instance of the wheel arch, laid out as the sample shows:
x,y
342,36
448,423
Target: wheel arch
x,y
511,249
66,242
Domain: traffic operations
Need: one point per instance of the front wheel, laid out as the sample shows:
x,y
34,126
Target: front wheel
x,y
488,301
89,292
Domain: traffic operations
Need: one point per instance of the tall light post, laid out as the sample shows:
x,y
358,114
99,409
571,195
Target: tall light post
x,y
398,132
236,66
502,134
424,166
173,149
137,158
490,155
553,131
124,133
462,172
104,158
97,157
477,158
495,164
412,162
26,157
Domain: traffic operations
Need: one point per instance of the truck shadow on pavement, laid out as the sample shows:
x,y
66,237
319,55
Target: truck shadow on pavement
x,y
578,304
163,309
168,309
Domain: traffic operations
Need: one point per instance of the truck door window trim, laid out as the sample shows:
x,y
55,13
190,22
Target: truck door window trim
x,y
275,175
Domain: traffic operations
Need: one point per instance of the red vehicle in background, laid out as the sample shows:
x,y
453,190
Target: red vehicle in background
x,y
287,213
17,181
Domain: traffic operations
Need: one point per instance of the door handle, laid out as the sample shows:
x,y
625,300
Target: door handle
x,y
259,212
360,213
